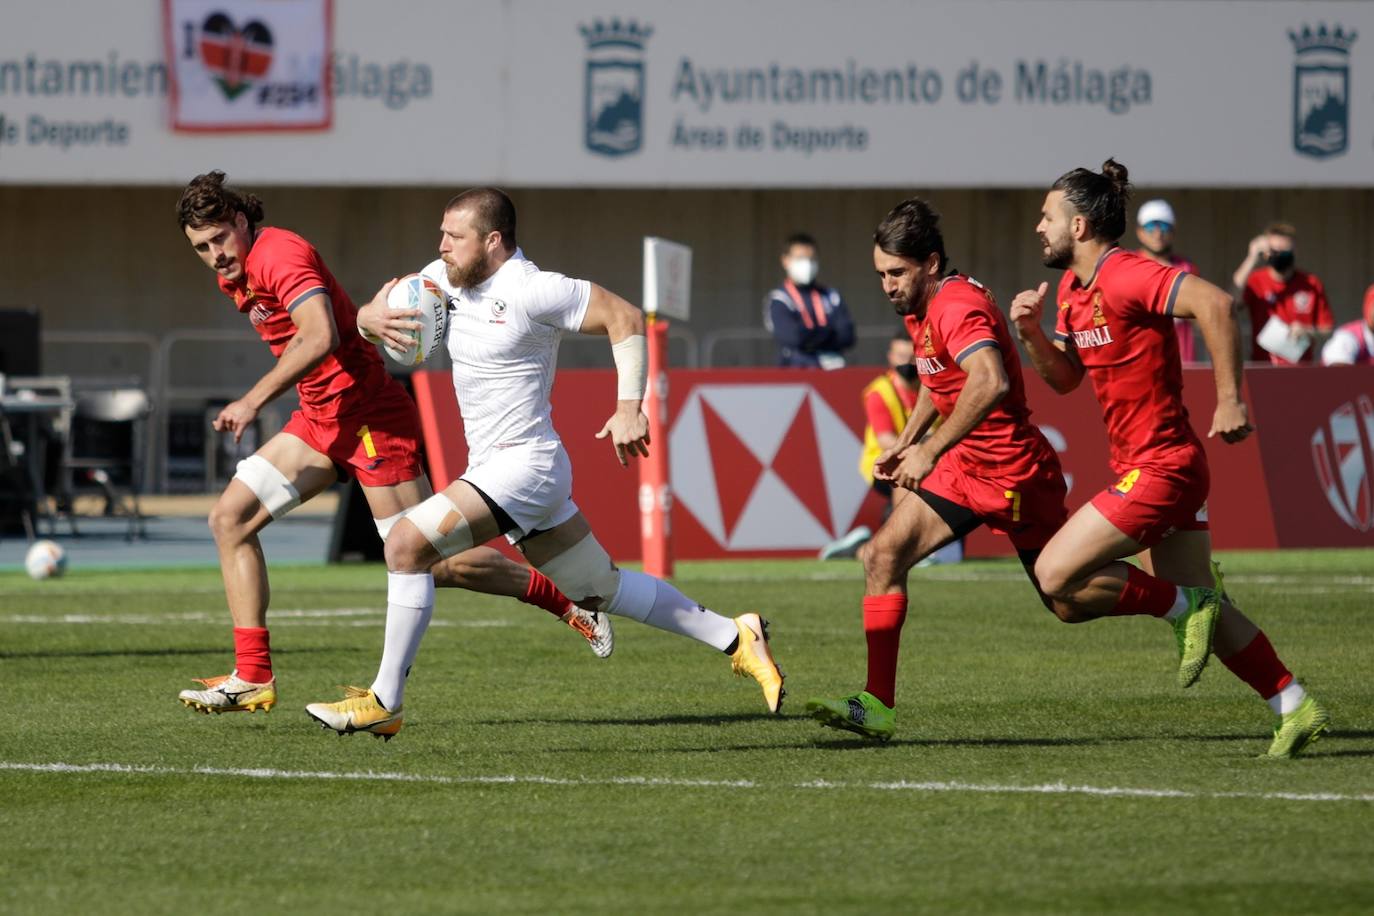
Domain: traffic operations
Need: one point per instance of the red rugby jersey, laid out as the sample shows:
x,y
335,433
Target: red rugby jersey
x,y
962,318
1301,298
283,270
1121,325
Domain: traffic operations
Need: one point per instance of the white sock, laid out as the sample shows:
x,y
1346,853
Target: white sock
x,y
1287,699
409,607
658,604
1180,604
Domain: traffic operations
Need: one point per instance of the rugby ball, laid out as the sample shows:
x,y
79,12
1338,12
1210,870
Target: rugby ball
x,y
416,292
45,559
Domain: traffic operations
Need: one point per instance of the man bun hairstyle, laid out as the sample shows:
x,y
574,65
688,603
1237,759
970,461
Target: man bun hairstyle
x,y
911,230
207,201
1099,197
492,211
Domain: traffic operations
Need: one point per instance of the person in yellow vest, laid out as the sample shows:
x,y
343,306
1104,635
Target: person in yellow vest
x,y
888,401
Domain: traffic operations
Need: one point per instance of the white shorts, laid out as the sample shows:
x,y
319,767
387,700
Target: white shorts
x,y
531,483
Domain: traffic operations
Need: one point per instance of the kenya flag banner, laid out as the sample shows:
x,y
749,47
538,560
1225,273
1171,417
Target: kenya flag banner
x,y
249,65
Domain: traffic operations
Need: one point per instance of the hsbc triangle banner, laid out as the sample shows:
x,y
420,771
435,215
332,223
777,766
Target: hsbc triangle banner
x,y
249,65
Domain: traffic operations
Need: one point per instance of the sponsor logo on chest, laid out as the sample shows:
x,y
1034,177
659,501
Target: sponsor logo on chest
x,y
929,365
1100,334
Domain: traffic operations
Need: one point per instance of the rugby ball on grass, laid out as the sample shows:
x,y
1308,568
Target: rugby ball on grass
x,y
416,292
45,560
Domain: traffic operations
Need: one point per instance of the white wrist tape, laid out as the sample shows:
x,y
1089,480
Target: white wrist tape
x,y
631,367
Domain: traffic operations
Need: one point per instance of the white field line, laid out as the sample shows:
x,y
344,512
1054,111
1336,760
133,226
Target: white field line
x,y
1058,788
299,617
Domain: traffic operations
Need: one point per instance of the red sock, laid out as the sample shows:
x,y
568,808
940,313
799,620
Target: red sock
x,y
541,592
252,654
1258,665
1144,594
883,616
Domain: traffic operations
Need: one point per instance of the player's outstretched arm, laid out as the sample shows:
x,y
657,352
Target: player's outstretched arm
x,y
608,314
1214,312
1060,368
316,337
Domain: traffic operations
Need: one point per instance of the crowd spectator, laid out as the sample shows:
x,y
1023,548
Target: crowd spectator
x,y
1155,231
1272,287
810,322
1352,344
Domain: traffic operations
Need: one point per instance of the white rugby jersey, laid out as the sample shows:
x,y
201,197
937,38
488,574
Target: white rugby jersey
x,y
503,337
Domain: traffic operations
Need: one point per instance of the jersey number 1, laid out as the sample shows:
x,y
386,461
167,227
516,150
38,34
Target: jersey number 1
x,y
365,434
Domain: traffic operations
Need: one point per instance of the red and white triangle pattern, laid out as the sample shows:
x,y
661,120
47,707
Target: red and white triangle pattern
x,y
766,467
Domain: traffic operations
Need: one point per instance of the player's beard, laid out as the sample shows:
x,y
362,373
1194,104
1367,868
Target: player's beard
x,y
1060,252
466,276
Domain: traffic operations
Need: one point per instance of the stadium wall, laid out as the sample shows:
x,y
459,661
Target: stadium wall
x,y
96,259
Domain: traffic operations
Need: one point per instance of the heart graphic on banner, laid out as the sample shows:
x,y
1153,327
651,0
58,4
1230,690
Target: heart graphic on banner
x,y
234,56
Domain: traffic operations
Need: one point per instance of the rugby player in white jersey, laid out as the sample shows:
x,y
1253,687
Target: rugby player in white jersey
x,y
507,317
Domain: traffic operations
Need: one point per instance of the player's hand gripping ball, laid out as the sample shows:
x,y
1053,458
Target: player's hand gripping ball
x,y
45,559
416,292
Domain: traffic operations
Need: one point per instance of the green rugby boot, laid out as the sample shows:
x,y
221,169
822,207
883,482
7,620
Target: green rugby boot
x,y
1298,729
860,713
1193,630
1219,584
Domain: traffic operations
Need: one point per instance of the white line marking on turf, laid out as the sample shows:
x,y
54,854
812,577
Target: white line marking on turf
x,y
299,617
1057,788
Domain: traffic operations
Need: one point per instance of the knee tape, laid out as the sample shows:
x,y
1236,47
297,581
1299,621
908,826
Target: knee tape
x,y
584,571
384,525
268,484
442,524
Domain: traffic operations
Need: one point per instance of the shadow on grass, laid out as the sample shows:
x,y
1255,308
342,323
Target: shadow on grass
x,y
705,719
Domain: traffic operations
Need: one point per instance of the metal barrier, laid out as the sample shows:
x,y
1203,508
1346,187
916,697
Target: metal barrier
x,y
584,351
756,347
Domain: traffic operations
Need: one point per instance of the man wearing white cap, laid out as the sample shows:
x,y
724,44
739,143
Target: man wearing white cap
x,y
1154,228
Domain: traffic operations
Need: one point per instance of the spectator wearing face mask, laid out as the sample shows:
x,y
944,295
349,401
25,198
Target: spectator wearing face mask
x,y
809,321
1353,343
1154,229
1272,287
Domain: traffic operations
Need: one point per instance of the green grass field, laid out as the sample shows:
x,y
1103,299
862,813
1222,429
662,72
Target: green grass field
x,y
1038,767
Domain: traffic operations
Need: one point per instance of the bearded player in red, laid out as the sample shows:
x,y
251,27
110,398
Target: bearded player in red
x,y
985,463
1115,324
354,419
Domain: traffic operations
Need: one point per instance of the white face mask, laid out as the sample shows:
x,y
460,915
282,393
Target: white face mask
x,y
803,271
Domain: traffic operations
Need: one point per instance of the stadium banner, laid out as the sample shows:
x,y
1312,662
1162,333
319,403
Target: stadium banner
x,y
764,462
252,65
774,93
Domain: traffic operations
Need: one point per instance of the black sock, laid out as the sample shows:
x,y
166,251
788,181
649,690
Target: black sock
x,y
733,647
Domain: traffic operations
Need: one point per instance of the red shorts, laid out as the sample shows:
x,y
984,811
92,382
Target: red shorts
x,y
1149,503
1029,509
379,444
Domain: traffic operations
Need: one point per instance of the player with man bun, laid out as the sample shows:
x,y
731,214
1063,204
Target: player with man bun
x,y
1115,325
354,419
